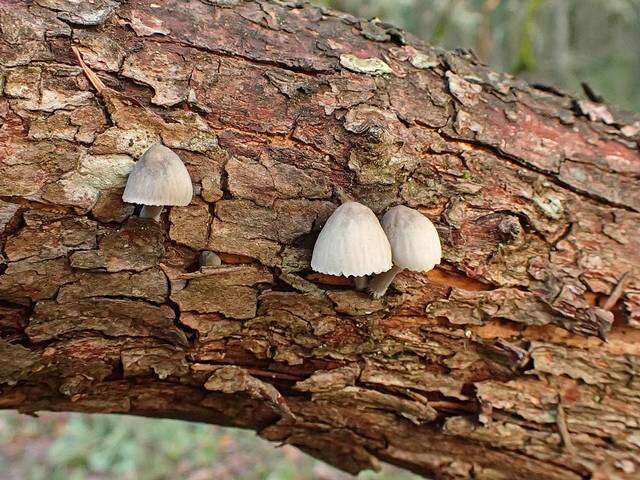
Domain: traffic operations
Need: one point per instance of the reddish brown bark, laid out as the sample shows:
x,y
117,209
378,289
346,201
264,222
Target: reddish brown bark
x,y
501,363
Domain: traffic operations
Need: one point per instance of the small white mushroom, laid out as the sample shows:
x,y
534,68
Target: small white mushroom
x,y
352,243
414,243
209,259
158,179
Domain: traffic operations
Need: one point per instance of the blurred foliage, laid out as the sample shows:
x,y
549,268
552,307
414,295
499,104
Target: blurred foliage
x,y
101,447
557,42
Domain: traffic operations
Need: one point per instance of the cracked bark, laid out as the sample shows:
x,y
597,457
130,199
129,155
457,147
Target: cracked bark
x,y
501,363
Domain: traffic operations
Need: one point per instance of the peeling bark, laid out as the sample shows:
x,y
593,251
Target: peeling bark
x,y
501,363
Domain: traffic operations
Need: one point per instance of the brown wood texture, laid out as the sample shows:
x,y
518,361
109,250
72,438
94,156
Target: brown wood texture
x,y
503,363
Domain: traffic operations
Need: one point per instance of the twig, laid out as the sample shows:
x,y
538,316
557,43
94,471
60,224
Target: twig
x,y
617,292
93,78
590,92
561,420
102,89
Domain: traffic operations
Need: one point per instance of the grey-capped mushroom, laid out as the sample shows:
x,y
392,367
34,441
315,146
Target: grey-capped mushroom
x,y
157,180
209,259
352,243
415,245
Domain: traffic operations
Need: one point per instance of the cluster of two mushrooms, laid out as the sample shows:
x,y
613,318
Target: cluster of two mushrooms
x,y
353,244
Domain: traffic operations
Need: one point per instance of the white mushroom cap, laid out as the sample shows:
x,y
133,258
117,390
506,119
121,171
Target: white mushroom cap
x,y
159,178
352,242
414,240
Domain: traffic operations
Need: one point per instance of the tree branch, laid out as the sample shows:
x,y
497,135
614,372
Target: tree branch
x,y
501,363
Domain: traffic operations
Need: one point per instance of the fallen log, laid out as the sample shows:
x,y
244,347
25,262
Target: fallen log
x,y
516,358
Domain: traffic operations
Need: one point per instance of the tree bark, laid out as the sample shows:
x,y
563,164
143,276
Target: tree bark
x,y
518,357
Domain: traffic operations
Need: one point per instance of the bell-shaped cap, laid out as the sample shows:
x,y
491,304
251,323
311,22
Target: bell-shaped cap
x,y
351,243
414,240
159,178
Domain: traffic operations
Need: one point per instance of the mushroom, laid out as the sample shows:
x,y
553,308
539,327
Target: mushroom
x,y
414,243
352,243
209,259
158,179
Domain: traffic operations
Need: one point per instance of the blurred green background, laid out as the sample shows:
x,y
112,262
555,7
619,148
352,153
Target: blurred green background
x,y
66,446
558,42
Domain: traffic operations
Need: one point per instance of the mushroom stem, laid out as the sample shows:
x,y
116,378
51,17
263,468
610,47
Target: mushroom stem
x,y
361,282
380,283
151,211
